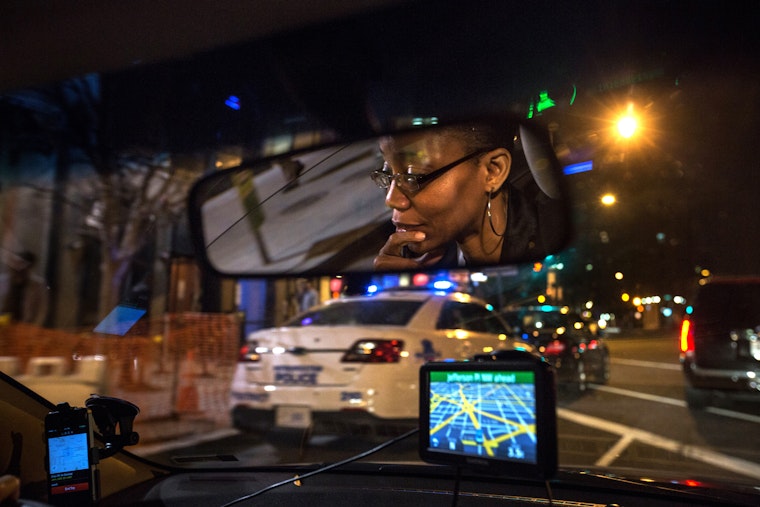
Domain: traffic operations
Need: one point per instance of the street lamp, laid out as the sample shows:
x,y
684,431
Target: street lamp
x,y
628,124
608,199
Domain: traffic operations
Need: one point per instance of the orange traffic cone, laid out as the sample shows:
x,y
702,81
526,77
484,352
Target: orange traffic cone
x,y
187,394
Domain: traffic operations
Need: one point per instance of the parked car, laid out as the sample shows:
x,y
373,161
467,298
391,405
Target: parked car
x,y
566,340
720,347
352,363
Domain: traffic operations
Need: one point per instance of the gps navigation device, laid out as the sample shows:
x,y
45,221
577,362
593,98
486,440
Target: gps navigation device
x,y
496,416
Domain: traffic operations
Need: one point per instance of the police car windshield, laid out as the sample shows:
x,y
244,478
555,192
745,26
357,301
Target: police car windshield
x,y
369,312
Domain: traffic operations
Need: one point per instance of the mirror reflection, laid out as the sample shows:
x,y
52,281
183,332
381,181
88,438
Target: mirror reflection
x,y
480,193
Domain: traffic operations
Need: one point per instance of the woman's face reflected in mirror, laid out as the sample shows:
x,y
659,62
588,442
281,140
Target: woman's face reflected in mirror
x,y
449,212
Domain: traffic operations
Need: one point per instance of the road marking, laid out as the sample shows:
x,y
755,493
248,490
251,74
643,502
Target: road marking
x,y
629,434
731,413
675,402
614,452
639,395
646,364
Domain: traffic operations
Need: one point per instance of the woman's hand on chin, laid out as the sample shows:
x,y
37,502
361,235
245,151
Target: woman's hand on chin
x,y
391,256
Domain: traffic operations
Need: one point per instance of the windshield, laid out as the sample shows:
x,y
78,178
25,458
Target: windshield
x,y
652,112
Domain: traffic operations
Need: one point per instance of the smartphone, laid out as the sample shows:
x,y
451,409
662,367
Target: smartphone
x,y
71,469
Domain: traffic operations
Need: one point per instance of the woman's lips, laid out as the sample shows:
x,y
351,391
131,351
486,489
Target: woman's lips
x,y
401,227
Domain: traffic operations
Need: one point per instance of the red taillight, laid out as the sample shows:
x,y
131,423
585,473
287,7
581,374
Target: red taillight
x,y
554,348
248,354
374,351
687,336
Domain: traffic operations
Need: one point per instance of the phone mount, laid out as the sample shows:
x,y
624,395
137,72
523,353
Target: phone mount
x,y
109,413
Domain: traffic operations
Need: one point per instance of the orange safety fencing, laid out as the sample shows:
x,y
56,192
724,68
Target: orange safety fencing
x,y
165,365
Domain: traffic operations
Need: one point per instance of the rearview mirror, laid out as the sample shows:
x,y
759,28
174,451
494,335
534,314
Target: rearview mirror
x,y
479,193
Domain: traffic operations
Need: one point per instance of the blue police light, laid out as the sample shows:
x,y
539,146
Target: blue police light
x,y
442,285
233,102
580,167
372,289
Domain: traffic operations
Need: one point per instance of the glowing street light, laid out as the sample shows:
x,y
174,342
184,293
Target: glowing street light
x,y
628,124
608,199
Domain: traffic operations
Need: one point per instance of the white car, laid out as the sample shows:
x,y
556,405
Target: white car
x,y
352,364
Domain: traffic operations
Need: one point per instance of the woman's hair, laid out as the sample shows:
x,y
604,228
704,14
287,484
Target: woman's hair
x,y
484,135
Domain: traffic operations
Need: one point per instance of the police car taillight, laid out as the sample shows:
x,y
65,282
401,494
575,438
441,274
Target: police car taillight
x,y
374,351
248,353
554,348
687,336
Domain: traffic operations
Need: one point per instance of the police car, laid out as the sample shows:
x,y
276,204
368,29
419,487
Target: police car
x,y
351,365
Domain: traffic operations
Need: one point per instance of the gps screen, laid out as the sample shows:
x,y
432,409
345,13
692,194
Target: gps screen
x,y
497,416
489,414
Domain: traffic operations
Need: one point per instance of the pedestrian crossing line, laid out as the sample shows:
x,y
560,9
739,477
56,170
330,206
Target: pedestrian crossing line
x,y
630,434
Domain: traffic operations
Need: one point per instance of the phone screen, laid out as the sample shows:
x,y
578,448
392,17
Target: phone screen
x,y
70,471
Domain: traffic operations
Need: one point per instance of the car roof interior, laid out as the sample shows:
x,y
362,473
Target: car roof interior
x,y
44,41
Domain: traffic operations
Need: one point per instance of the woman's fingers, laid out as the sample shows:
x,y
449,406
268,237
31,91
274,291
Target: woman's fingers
x,y
9,488
391,256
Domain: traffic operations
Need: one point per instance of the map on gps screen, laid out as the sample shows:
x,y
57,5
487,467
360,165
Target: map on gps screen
x,y
489,414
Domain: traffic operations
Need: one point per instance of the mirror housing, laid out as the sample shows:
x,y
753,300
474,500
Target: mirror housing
x,y
318,212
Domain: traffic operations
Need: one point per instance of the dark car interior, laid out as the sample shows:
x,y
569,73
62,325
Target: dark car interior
x,y
282,191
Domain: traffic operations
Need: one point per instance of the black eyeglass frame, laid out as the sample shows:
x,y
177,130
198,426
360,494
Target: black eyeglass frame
x,y
383,179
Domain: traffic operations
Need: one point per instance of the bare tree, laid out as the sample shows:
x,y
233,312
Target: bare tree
x,y
131,191
129,204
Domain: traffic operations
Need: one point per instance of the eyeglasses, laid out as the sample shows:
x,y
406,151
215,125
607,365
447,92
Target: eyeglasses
x,y
411,183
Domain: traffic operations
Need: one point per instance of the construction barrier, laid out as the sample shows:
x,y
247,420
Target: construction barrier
x,y
179,364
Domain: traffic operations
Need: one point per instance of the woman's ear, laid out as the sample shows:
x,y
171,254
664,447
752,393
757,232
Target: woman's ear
x,y
498,163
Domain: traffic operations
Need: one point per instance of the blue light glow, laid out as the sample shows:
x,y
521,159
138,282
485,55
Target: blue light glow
x,y
120,320
442,285
580,167
233,102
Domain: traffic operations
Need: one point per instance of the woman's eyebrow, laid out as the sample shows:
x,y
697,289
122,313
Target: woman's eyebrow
x,y
409,154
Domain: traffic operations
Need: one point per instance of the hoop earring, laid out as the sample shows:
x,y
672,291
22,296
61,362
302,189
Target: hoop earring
x,y
490,217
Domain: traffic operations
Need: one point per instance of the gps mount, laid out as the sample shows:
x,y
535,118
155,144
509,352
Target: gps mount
x,y
108,413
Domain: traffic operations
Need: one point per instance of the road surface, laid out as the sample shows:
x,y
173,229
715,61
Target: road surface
x,y
639,420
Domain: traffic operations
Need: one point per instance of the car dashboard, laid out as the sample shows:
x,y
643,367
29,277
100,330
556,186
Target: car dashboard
x,y
406,485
